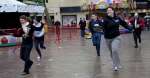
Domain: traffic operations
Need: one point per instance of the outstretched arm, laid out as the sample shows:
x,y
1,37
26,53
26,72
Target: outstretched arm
x,y
125,25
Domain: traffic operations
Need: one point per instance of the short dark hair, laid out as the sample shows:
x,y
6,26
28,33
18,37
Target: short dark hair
x,y
38,19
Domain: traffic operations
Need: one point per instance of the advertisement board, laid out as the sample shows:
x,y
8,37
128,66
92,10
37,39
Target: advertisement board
x,y
7,40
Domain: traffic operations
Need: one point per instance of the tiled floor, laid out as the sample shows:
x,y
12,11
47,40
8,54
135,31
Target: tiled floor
x,y
73,57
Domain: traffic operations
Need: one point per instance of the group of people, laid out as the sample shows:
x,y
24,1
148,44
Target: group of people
x,y
109,26
32,32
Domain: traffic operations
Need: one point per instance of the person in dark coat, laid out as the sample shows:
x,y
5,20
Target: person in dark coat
x,y
27,43
112,35
82,24
95,27
138,25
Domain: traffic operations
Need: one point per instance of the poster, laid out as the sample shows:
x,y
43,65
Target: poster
x,y
7,40
69,19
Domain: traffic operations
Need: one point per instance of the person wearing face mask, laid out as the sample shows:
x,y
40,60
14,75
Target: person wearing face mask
x,y
27,43
95,27
137,24
111,31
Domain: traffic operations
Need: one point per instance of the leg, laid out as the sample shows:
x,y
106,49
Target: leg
x,y
98,40
115,49
82,33
28,62
42,43
135,39
22,52
108,42
139,35
98,49
94,39
37,44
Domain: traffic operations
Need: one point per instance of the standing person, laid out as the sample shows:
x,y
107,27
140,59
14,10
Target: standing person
x,y
137,24
38,36
95,27
57,24
148,24
27,43
112,35
82,24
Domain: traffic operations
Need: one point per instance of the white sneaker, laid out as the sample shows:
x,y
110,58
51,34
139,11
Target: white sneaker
x,y
116,68
39,58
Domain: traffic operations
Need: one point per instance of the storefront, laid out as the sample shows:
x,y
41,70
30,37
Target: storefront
x,y
71,15
69,20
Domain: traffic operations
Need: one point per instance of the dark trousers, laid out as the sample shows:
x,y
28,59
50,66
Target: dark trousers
x,y
39,42
82,33
96,39
137,36
25,52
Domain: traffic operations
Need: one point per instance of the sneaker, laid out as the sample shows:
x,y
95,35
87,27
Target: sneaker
x,y
136,46
25,73
116,68
98,55
39,58
43,47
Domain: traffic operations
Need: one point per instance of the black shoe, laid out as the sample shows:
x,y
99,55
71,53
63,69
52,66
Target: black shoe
x,y
140,42
43,47
98,55
25,73
136,46
94,44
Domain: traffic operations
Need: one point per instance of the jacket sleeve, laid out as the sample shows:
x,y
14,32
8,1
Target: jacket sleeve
x,y
125,25
142,23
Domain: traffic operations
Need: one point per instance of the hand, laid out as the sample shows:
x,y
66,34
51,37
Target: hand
x,y
137,26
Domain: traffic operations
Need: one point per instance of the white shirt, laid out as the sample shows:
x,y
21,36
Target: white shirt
x,y
136,25
25,28
39,33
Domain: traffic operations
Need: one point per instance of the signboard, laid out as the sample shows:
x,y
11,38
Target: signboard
x,y
7,40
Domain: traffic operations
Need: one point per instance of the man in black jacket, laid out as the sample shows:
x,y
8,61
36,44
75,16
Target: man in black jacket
x,y
137,26
82,24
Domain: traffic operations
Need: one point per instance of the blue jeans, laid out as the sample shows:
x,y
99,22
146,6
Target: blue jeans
x,y
82,33
96,39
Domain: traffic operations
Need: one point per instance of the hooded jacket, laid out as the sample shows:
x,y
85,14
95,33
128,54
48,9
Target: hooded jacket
x,y
111,26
